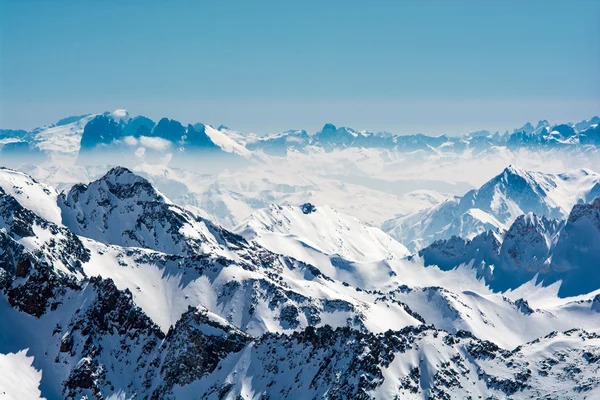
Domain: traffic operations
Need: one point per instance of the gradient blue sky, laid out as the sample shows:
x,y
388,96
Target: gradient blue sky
x,y
267,66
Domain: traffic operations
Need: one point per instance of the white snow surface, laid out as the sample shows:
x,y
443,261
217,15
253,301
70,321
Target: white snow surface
x,y
19,380
324,230
37,197
62,138
225,142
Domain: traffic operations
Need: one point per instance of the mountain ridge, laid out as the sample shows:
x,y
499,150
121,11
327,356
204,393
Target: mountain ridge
x,y
495,205
118,131
192,323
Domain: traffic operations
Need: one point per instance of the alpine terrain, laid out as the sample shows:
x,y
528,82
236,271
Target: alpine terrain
x,y
111,290
341,264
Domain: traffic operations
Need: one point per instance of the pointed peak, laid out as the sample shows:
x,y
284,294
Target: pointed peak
x,y
542,124
122,176
123,183
329,127
527,128
586,210
514,170
528,219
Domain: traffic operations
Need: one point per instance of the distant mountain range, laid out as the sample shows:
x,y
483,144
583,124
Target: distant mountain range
x,y
330,138
97,137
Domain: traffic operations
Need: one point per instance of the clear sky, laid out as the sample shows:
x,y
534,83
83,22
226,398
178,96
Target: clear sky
x,y
268,66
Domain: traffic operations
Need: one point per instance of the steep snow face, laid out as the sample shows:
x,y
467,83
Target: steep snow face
x,y
481,252
225,142
125,209
495,205
528,241
341,246
62,137
19,379
25,229
37,197
525,250
507,195
320,228
576,255
419,229
552,251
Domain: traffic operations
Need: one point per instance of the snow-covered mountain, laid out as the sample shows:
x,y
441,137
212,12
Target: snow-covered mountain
x,y
495,206
143,139
226,175
534,247
338,244
117,137
332,138
111,289
124,209
322,229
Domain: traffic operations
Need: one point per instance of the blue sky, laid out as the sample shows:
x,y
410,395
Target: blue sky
x,y
267,66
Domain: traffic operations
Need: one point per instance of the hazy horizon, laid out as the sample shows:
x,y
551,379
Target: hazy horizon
x,y
403,67
452,128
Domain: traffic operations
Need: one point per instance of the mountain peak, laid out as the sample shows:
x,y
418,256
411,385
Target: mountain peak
x,y
169,129
530,221
513,171
121,183
119,115
527,128
35,196
122,176
589,210
329,127
542,124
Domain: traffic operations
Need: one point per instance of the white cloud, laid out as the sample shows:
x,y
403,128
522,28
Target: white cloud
x,y
130,141
157,144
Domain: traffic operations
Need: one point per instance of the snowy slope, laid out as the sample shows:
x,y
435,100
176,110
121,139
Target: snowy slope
x,y
220,316
39,198
19,380
225,142
62,138
339,245
320,228
125,209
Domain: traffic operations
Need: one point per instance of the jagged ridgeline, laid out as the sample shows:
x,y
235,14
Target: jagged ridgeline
x,y
117,138
114,291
